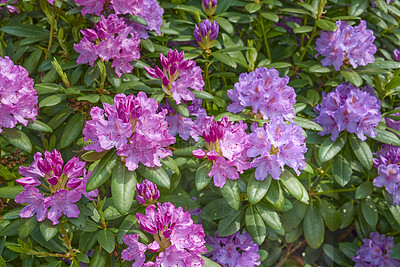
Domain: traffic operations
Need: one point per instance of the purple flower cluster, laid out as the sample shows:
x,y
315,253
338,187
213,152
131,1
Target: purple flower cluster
x,y
275,145
149,10
133,127
178,75
147,193
264,91
209,7
18,99
104,42
226,145
235,250
62,181
10,8
349,108
394,124
177,239
388,164
375,252
206,33
346,45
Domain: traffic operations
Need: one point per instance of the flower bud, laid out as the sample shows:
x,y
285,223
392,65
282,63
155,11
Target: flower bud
x,y
209,7
147,193
205,34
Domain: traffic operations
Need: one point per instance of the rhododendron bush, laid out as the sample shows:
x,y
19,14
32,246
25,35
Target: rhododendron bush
x,y
199,133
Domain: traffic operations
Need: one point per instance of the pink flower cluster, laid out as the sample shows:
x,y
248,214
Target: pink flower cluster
x,y
18,99
10,8
62,181
178,75
149,10
177,240
134,127
264,91
226,145
275,145
349,108
235,250
109,40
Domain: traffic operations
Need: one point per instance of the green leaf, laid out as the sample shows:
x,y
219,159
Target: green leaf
x,y
156,175
202,179
255,225
181,108
313,227
381,4
252,7
395,210
25,30
269,216
256,190
386,137
330,215
48,88
72,130
39,126
92,156
271,16
341,170
303,29
123,187
224,24
329,149
362,151
357,7
230,191
171,164
203,95
52,100
227,60
332,253
351,76
216,210
26,226
48,230
102,171
364,190
10,192
275,195
210,263
395,253
294,186
307,124
17,138
369,211
59,118
326,25
230,224
94,98
106,240
347,212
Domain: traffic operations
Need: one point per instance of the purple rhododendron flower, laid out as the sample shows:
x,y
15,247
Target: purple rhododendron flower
x,y
18,98
179,241
133,127
11,9
275,145
206,33
235,250
388,164
91,6
375,251
147,193
178,75
35,202
109,40
347,45
349,108
62,203
264,91
396,55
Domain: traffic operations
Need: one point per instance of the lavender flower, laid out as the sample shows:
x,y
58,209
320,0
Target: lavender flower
x,y
18,98
235,250
91,6
147,193
205,34
264,91
178,75
275,145
375,252
104,42
133,127
179,241
209,7
396,55
347,45
349,108
388,164
11,9
61,180
226,145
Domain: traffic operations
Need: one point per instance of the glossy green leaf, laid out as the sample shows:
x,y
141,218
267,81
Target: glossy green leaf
x,y
107,240
39,126
362,151
369,211
202,179
256,190
10,192
386,137
351,76
230,224
326,25
48,230
156,175
216,210
271,217
102,171
341,170
255,225
123,187
275,195
230,191
52,100
307,124
313,227
17,138
294,186
330,148
364,190
72,130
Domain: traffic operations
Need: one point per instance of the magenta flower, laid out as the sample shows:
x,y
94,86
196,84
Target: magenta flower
x,y
18,98
347,45
264,91
396,55
178,75
109,41
349,108
178,241
91,6
375,252
147,193
205,34
35,202
235,250
135,250
275,145
209,6
62,203
134,127
10,8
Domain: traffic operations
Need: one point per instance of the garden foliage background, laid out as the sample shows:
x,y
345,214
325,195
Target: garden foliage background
x,y
318,217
